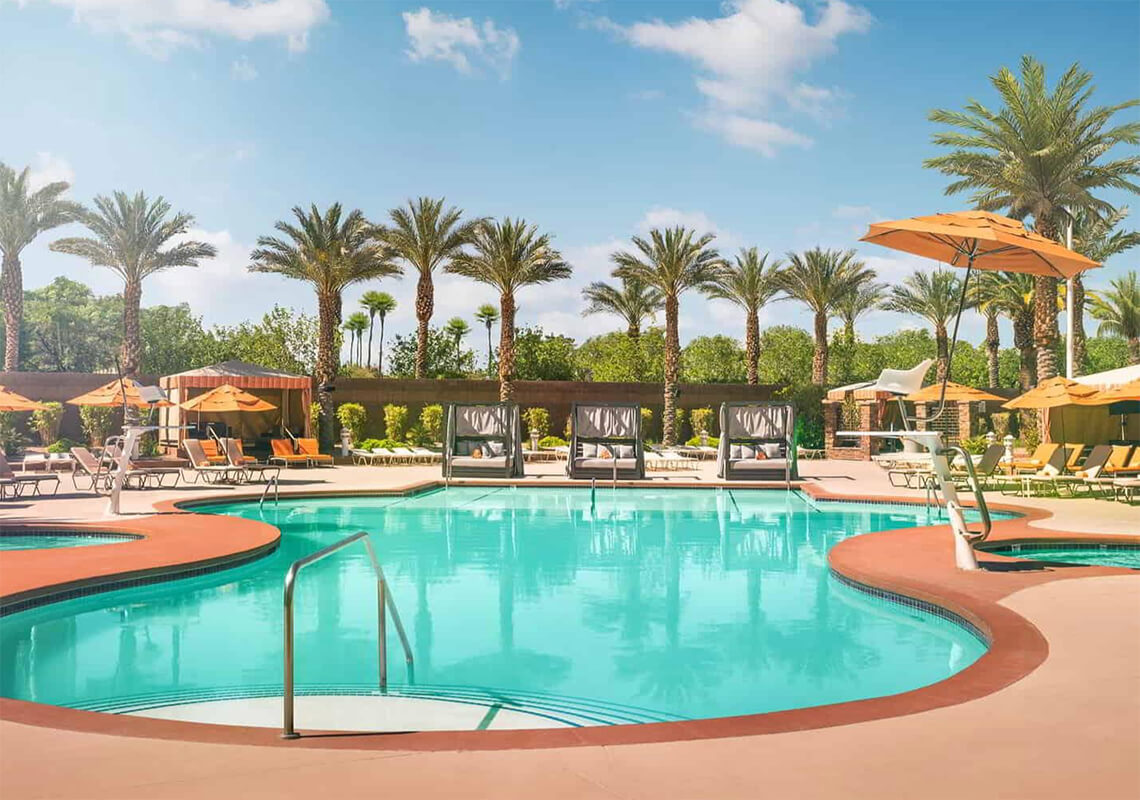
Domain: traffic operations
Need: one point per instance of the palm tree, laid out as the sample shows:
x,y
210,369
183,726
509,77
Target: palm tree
x,y
509,255
426,236
488,315
866,298
1098,239
670,261
129,236
1040,154
457,328
23,217
986,292
634,302
820,279
330,251
1118,309
750,282
377,304
356,324
934,296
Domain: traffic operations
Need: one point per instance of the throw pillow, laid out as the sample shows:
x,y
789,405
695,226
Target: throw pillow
x,y
589,451
761,455
477,453
747,451
772,450
604,452
734,452
624,450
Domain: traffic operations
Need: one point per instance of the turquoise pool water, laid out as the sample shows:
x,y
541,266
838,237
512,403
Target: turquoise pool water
x,y
1103,555
666,603
47,541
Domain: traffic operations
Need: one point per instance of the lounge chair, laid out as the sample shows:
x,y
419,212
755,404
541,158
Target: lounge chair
x,y
201,468
361,456
483,440
89,468
1042,455
312,450
1076,450
605,442
1049,475
19,481
430,456
283,454
984,470
1119,464
1125,489
249,465
213,452
757,440
1131,467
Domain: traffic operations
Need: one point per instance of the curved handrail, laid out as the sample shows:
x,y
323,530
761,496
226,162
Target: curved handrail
x,y
276,484
975,487
384,602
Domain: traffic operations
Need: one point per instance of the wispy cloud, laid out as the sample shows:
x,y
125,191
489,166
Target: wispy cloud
x,y
243,69
436,36
49,168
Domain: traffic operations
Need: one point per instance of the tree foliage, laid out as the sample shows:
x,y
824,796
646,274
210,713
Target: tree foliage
x,y
713,359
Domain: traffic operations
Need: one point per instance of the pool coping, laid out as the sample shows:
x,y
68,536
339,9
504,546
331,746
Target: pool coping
x,y
907,564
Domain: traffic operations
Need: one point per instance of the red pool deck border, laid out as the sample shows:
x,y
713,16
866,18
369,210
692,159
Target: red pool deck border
x,y
910,562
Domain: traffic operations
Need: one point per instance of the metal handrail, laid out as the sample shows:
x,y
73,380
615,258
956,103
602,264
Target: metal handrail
x,y
275,483
975,486
383,601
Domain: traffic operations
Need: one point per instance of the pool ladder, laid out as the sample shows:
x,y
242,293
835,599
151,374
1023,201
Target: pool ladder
x,y
384,603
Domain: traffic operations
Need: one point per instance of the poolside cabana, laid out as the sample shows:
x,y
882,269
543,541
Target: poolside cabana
x,y
756,440
289,394
483,440
605,441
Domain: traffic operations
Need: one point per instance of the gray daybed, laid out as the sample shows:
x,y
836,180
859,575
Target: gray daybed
x,y
483,440
757,441
605,441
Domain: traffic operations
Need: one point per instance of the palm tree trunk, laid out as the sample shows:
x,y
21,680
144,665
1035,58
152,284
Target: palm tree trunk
x,y
1023,341
672,363
328,321
490,351
633,331
993,346
819,357
371,325
425,304
1045,325
1078,333
1134,350
752,345
506,345
380,354
12,294
943,343
132,335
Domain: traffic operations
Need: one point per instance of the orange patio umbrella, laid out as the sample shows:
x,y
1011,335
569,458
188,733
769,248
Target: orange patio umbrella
x,y
227,398
1119,394
1056,392
111,396
10,401
955,392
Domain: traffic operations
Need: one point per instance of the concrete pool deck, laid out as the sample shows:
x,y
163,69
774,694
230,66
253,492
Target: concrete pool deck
x,y
1070,726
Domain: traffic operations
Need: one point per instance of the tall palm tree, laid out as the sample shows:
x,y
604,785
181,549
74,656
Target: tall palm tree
x,y
426,236
24,215
934,296
488,315
633,301
457,328
377,304
1098,239
509,255
749,282
129,236
1043,152
1012,293
331,251
820,279
671,261
866,298
987,291
356,325
1118,309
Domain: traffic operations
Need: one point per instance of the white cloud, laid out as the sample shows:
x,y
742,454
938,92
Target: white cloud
x,y
49,168
751,57
158,27
435,36
243,69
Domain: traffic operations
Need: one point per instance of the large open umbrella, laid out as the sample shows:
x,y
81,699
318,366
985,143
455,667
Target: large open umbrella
x,y
226,399
1056,393
955,392
1122,400
10,401
112,395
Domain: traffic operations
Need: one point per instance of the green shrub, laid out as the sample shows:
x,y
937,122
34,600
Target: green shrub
x,y
552,441
809,433
96,422
431,422
566,430
537,421
46,421
352,417
679,415
974,445
395,420
701,419
416,436
646,422
999,423
368,444
63,445
696,441
11,437
315,418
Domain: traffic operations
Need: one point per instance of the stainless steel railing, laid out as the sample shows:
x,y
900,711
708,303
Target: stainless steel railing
x,y
974,484
384,602
276,491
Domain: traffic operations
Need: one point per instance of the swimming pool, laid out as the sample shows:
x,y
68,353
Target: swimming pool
x,y
1101,554
48,540
653,604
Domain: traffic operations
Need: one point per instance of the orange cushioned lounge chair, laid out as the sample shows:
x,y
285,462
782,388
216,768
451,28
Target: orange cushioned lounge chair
x,y
1041,456
211,451
311,450
283,454
1119,464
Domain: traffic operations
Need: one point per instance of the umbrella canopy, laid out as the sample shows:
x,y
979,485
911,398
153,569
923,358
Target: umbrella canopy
x,y
111,396
1054,393
1127,391
10,401
955,392
227,398
979,239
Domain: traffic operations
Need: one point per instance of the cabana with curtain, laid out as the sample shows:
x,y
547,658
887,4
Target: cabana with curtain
x,y
290,394
1115,417
483,440
756,439
605,437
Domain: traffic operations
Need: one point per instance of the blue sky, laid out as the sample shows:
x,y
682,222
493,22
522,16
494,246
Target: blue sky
x,y
771,123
